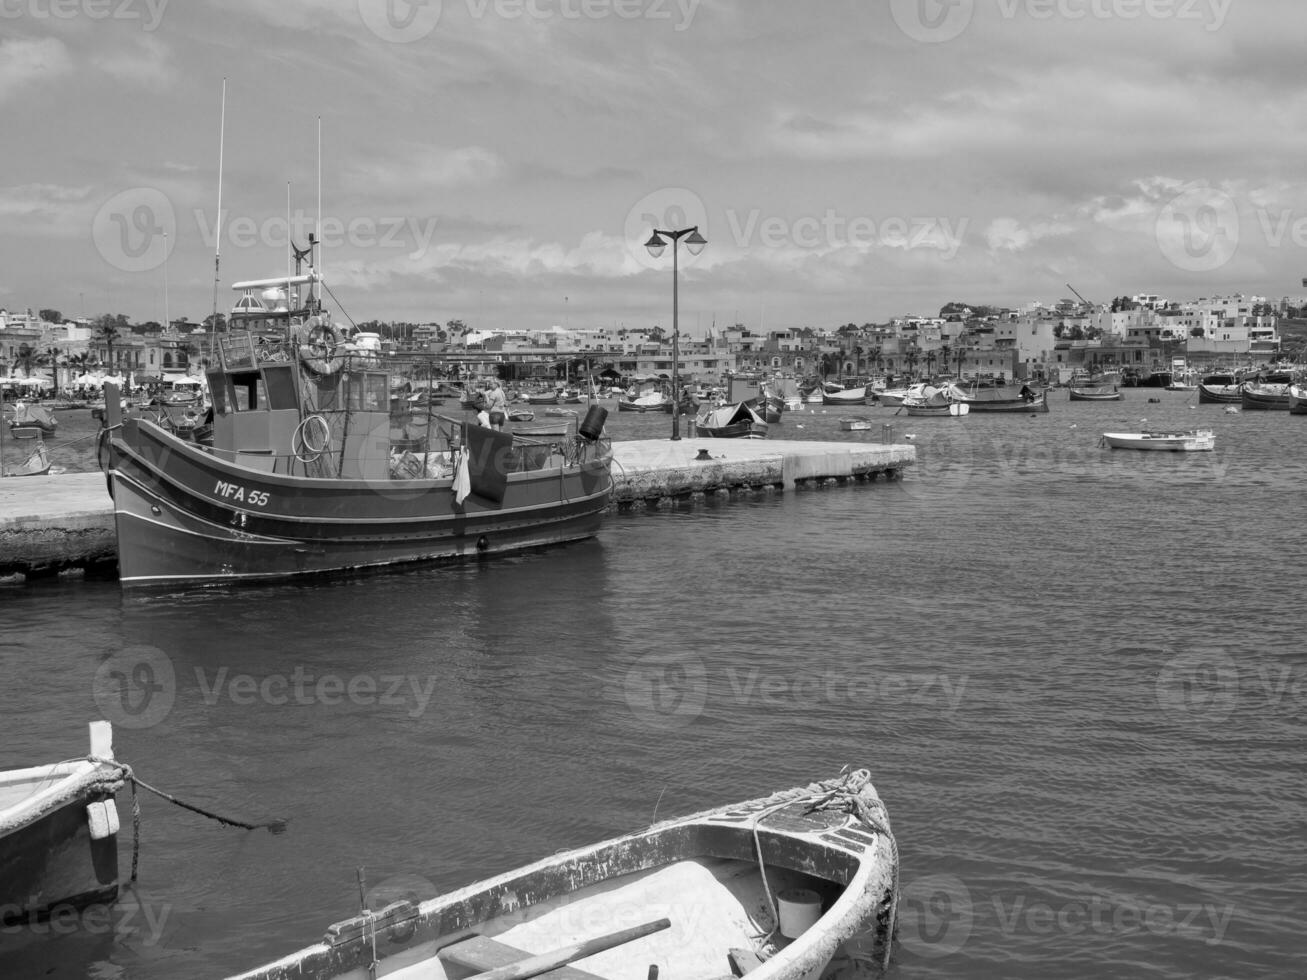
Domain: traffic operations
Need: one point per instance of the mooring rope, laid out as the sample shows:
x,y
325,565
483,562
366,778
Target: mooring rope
x,y
128,775
843,792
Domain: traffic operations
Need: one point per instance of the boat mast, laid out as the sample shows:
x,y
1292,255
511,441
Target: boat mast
x,y
217,237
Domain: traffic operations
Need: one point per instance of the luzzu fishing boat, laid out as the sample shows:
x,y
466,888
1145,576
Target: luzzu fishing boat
x,y
799,885
309,473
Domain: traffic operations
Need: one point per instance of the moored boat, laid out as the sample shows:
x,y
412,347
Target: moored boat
x,y
999,400
738,421
36,463
932,401
855,424
1102,393
648,396
30,416
1220,389
305,475
1198,440
799,884
59,833
845,396
1262,396
1297,399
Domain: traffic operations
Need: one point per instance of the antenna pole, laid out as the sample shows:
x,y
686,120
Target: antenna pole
x,y
217,238
317,266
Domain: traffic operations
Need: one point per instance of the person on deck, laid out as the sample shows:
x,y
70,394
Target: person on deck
x,y
497,406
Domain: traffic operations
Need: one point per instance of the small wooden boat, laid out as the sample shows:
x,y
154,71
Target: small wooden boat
x,y
1026,401
542,398
1220,389
550,428
1199,440
927,401
1264,397
29,416
1297,399
855,425
59,833
790,886
521,415
37,463
845,396
1099,394
738,421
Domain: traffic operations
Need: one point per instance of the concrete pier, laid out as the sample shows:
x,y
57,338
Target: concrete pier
x,y
655,471
52,524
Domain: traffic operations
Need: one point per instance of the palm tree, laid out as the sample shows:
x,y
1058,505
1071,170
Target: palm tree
x,y
945,354
50,356
930,362
106,332
25,359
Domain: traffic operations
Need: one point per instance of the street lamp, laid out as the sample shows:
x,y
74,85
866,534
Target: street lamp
x,y
694,242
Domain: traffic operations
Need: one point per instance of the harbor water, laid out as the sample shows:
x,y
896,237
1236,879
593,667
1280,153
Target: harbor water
x,y
1076,675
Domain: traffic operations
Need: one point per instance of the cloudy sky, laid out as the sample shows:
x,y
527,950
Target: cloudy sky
x,y
503,161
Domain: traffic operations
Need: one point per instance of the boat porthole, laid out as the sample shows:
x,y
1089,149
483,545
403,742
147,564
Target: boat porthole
x,y
482,543
154,509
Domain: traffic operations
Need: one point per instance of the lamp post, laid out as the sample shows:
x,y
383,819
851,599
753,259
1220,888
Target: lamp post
x,y
694,242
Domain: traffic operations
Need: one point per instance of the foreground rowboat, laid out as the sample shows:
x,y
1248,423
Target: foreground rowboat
x,y
59,834
782,887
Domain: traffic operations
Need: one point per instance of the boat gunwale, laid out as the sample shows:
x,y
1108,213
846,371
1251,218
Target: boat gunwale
x,y
856,904
77,779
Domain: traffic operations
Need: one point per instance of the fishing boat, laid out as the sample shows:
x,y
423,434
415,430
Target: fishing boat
x,y
305,474
541,398
1220,389
36,463
855,424
29,416
554,426
521,415
738,421
648,395
1096,394
927,400
1264,396
1197,440
1297,399
796,885
59,833
845,396
978,399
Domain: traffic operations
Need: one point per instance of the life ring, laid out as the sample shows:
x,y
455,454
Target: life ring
x,y
317,353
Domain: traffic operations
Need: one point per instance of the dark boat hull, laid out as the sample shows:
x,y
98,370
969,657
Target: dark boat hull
x,y
53,865
1014,405
1219,394
184,515
1254,400
1094,395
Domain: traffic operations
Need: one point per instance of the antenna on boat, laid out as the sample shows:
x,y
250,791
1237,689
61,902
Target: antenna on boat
x,y
217,237
317,266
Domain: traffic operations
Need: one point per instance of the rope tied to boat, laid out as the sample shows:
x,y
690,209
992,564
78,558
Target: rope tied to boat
x,y
844,792
120,773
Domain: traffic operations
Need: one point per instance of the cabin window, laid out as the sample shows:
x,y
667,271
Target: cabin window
x,y
219,393
279,380
367,391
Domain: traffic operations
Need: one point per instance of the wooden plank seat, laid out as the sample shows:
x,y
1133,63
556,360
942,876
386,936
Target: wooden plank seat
x,y
481,953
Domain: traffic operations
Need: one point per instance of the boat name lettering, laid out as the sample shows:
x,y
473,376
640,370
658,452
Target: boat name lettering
x,y
236,492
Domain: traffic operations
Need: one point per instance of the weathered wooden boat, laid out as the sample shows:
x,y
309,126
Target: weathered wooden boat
x,y
1026,401
304,475
855,424
1198,440
647,396
845,396
59,833
738,421
521,415
1220,389
541,398
29,416
36,463
553,427
1297,399
794,886
1264,397
1096,394
927,408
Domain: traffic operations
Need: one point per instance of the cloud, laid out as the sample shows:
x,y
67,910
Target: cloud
x,y
23,62
143,61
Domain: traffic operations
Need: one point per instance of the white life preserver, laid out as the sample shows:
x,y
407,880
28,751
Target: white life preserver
x,y
317,353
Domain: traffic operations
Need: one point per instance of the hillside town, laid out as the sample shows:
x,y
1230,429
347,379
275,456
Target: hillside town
x,y
1139,336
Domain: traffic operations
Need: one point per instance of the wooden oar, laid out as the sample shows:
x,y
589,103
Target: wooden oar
x,y
533,966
